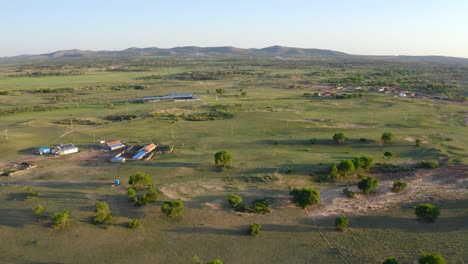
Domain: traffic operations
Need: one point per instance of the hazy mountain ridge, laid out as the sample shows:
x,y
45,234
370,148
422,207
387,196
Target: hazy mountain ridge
x,y
272,51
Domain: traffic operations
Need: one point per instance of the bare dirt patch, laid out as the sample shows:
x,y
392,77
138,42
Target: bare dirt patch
x,y
425,185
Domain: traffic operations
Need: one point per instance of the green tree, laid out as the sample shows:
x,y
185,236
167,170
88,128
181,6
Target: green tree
x,y
131,194
391,261
147,198
418,142
346,167
333,172
139,180
60,220
342,223
38,211
364,162
387,137
134,224
339,138
429,164
215,261
431,258
220,91
254,229
234,200
102,213
305,197
427,212
173,208
367,184
223,159
399,186
388,154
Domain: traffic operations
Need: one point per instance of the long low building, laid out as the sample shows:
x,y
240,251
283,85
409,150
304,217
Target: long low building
x,y
65,149
175,97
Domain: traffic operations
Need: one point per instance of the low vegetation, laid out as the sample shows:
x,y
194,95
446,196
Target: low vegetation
x,y
223,159
254,229
173,208
60,219
367,184
134,224
399,186
102,215
427,212
342,223
305,197
431,258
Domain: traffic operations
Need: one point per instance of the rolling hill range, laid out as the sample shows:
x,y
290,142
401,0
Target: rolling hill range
x,y
225,51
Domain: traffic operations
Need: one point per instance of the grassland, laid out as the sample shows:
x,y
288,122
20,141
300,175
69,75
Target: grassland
x,y
270,133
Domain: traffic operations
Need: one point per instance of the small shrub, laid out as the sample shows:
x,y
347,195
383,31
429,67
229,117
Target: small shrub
x,y
38,211
428,164
387,137
431,258
234,200
223,159
390,261
102,214
134,224
260,207
342,223
349,194
339,138
333,172
388,154
399,186
60,220
139,179
215,261
368,184
254,229
305,197
418,142
172,208
427,212
346,168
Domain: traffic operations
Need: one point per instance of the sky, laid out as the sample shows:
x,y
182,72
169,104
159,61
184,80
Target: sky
x,y
368,27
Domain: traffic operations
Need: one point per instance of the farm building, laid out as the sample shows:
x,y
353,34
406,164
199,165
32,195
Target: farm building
x,y
135,153
65,149
144,151
115,145
176,97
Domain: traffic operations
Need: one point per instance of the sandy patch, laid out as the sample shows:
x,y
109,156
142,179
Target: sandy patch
x,y
426,185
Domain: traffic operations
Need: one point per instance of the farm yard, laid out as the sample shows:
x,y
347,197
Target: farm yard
x,y
277,122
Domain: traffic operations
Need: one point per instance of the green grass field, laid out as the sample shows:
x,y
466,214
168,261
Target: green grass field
x,y
270,132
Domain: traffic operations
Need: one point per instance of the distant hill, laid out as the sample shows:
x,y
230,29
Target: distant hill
x,y
226,51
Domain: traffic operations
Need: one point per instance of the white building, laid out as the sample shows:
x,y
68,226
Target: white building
x,y
65,149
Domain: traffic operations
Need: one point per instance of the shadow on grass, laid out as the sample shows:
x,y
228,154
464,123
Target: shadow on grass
x,y
241,231
22,261
17,217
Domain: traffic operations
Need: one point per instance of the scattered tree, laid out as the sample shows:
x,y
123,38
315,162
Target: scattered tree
x,y
388,154
139,180
418,142
244,93
102,214
234,200
223,159
38,211
431,258
427,212
429,164
399,186
147,198
215,261
305,197
391,261
363,162
346,167
60,220
220,91
333,172
254,229
387,137
131,194
367,184
339,138
173,208
134,223
342,223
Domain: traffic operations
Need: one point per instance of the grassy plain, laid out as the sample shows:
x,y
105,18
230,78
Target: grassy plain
x,y
270,133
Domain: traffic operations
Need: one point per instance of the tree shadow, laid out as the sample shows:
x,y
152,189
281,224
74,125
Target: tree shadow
x,y
17,217
210,231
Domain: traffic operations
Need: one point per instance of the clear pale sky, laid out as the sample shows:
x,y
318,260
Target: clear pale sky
x,y
382,27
